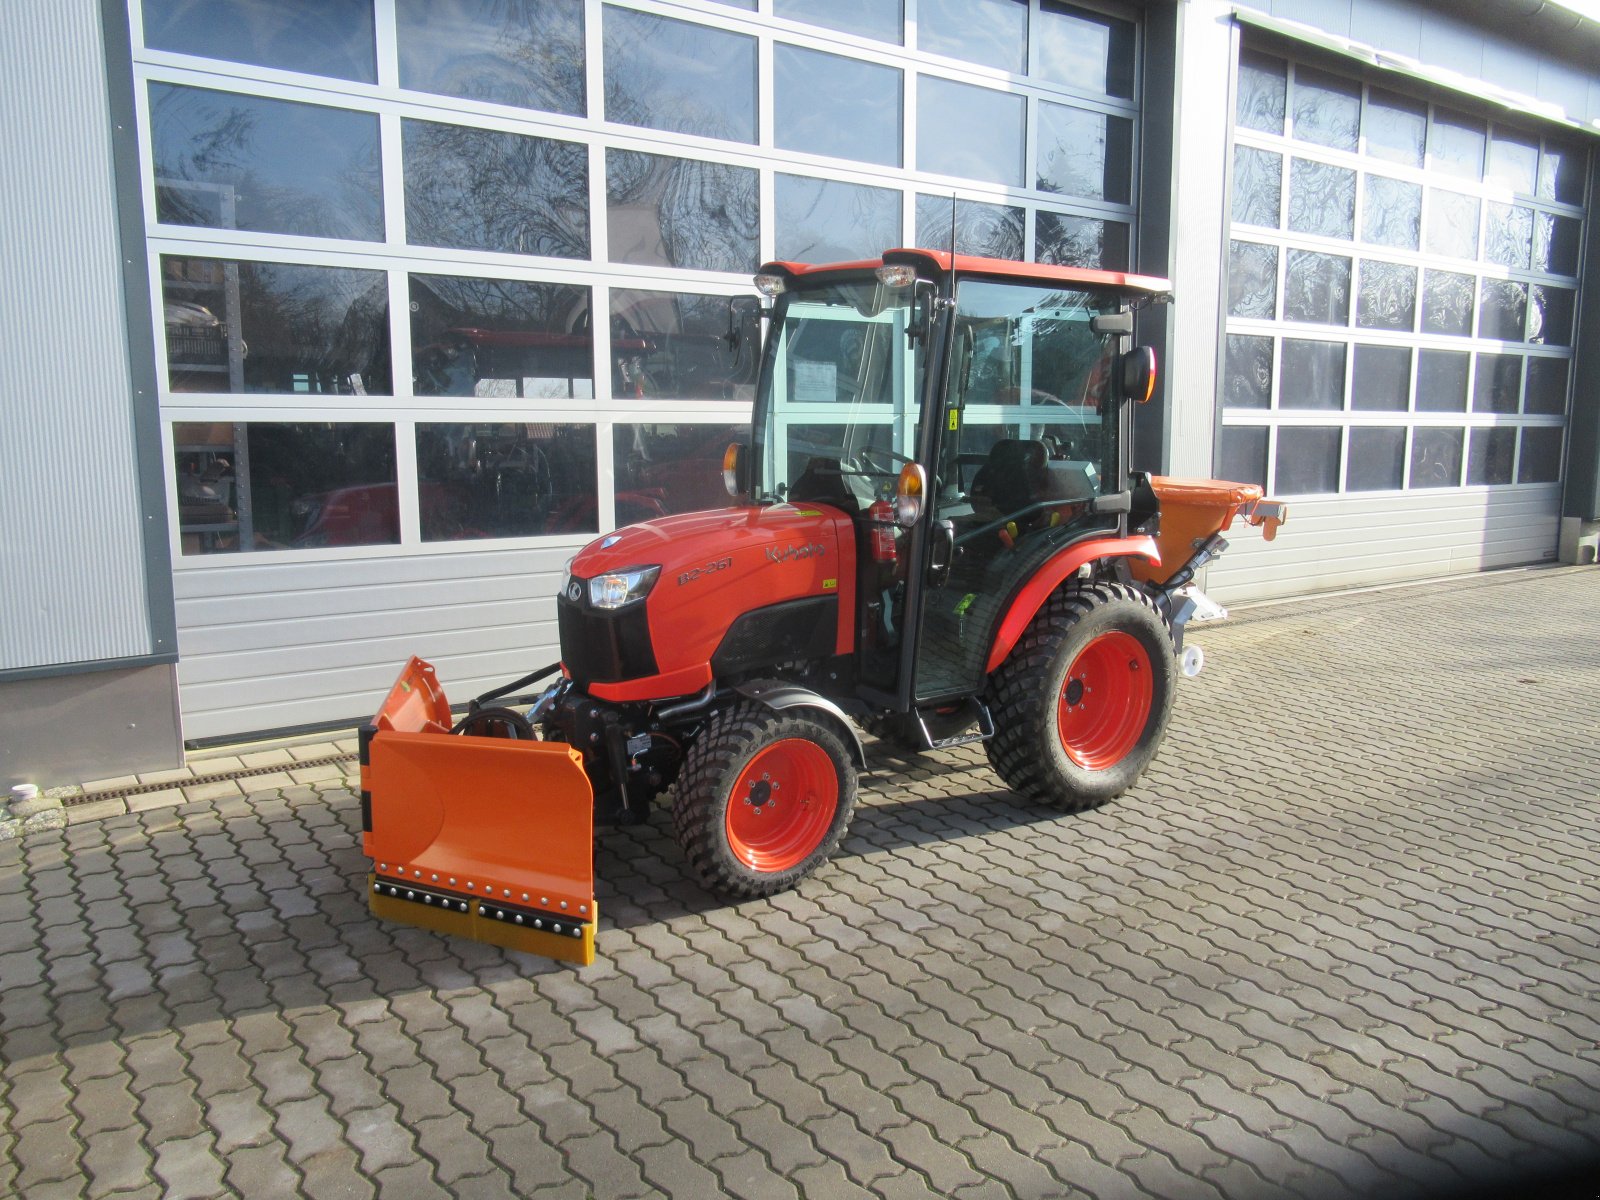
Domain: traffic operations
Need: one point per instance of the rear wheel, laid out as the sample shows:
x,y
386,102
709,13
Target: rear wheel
x,y
1082,703
763,799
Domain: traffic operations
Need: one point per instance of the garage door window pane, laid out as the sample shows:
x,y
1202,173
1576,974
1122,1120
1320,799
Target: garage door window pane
x,y
284,486
274,166
1489,456
1084,153
1393,214
1083,50
670,346
1508,235
969,131
1313,374
1243,455
837,106
1247,379
1561,171
479,189
1322,199
1388,296
1257,187
489,480
662,469
1080,242
1547,386
1452,224
525,53
1455,144
1447,303
1435,457
504,338
991,33
990,230
1382,380
1316,288
823,221
1263,81
675,212
1441,381
1551,319
1498,385
1555,244
1377,459
1327,108
1541,455
1396,127
1308,460
1502,310
319,37
878,19
1513,161
1252,280
679,76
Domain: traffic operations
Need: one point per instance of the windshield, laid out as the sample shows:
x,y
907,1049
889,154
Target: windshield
x,y
837,410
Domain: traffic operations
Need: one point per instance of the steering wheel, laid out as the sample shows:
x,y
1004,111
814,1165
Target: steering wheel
x,y
864,457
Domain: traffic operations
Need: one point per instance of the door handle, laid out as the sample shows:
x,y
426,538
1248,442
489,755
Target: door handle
x,y
941,553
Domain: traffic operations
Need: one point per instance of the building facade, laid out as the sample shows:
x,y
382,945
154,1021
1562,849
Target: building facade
x,y
382,308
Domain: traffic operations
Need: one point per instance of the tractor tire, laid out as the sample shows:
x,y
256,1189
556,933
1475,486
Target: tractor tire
x,y
763,799
1082,703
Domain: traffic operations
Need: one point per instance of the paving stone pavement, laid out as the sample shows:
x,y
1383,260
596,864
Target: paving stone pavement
x,y
1341,941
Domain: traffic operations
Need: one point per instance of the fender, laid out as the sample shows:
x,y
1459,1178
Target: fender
x,y
1049,577
778,695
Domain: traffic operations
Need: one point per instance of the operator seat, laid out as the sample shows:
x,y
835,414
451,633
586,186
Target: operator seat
x,y
1014,476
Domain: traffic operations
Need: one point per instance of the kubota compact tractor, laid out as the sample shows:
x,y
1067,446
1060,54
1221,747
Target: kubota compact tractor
x,y
934,534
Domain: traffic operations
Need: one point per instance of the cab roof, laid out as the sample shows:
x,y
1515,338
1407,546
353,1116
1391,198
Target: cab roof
x,y
939,262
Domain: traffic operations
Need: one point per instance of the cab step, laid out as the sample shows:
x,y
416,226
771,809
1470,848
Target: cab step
x,y
944,725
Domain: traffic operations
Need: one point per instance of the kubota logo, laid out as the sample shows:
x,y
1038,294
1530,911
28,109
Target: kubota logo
x,y
790,553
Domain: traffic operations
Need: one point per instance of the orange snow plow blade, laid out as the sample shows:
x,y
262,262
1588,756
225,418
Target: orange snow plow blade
x,y
486,838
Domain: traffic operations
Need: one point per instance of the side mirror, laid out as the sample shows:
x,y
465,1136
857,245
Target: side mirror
x,y
920,323
1138,378
735,467
909,495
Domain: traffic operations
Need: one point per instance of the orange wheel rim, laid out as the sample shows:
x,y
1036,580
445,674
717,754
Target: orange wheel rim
x,y
782,805
1105,701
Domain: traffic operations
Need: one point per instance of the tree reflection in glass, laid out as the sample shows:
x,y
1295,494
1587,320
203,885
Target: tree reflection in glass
x,y
1327,108
1396,127
1387,298
1447,303
1263,83
1080,241
1508,232
1322,199
1083,153
319,37
1316,288
1252,280
1452,224
1392,214
526,53
1435,457
1257,187
1247,376
1456,144
676,212
1502,309
820,220
989,230
679,76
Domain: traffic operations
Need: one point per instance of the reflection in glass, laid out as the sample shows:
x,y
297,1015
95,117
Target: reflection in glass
x,y
821,220
1257,187
263,485
679,76
991,33
1508,232
1377,458
502,479
1263,81
274,166
1080,241
1502,310
1555,244
969,131
1550,321
1561,171
1541,455
841,107
675,212
525,53
990,230
1382,380
671,346
1084,153
1513,161
480,189
1447,303
1312,374
1455,145
1387,298
1452,224
235,326
1242,457
505,338
1327,108
1547,386
1322,199
1083,50
878,19
663,469
1498,384
1393,212
319,37
1435,457
1308,460
1396,127
1252,280
1442,380
1489,456
1316,287
1247,375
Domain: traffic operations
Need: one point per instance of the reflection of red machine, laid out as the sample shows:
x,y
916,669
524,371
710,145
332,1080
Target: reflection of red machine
x,y
363,515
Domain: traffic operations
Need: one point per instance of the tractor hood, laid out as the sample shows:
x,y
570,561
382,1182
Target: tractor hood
x,y
689,541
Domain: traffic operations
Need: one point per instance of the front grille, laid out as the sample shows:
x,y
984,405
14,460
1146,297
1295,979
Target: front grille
x,y
599,646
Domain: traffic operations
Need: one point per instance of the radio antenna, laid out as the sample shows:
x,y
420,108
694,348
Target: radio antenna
x,y
952,230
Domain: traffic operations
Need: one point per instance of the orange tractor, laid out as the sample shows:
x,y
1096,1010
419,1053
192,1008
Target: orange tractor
x,y
933,534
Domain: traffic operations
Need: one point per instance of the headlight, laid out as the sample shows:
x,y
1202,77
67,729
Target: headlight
x,y
617,588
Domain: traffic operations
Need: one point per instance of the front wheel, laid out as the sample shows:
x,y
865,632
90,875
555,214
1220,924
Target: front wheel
x,y
763,799
1083,701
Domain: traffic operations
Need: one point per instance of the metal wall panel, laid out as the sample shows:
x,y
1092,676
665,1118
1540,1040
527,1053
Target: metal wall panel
x,y
277,645
71,546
